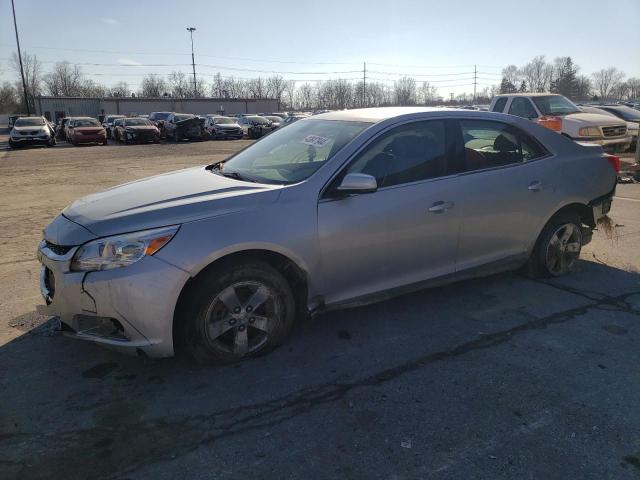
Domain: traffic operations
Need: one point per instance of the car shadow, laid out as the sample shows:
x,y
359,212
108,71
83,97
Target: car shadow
x,y
89,412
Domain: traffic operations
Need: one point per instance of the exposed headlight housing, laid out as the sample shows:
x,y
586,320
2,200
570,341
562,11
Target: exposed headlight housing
x,y
121,250
589,132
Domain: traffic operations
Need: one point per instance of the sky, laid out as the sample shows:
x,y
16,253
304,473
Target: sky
x,y
438,41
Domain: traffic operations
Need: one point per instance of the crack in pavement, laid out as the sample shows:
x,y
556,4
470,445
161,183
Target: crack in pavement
x,y
69,454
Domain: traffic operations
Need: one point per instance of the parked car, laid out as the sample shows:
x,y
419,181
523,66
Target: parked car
x,y
136,130
179,126
107,123
114,130
341,208
31,131
60,128
632,118
565,116
293,118
223,127
275,120
86,130
255,126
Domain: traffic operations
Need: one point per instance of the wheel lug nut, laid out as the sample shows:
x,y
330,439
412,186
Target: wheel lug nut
x,y
249,309
232,321
241,328
236,310
252,319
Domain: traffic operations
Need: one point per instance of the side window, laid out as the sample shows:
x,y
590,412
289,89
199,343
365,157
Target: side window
x,y
522,107
499,105
409,153
489,144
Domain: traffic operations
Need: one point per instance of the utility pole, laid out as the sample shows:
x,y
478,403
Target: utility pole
x,y
364,84
193,62
24,83
475,81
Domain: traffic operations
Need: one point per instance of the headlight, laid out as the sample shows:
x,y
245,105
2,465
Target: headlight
x,y
589,132
121,250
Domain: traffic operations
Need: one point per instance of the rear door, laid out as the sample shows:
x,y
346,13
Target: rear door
x,y
508,187
404,232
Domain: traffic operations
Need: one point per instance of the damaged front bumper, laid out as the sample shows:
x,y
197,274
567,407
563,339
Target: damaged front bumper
x,y
129,309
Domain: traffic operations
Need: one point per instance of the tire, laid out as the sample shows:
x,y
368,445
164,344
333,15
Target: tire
x,y
12,145
177,137
235,334
104,142
557,248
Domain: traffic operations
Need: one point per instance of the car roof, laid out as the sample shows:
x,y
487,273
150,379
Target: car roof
x,y
532,94
377,114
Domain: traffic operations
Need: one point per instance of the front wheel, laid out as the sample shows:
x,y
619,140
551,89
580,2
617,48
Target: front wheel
x,y
558,247
238,311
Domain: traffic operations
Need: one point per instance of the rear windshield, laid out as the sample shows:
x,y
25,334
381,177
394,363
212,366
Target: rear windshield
x,y
160,115
29,122
136,121
555,105
223,120
259,120
87,122
179,118
274,119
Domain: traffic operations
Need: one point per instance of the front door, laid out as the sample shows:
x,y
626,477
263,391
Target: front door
x,y
406,231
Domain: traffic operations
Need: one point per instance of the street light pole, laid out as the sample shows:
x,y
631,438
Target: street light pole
x,y
193,61
24,83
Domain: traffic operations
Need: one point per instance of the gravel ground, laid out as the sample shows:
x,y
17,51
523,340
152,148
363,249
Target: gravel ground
x,y
496,378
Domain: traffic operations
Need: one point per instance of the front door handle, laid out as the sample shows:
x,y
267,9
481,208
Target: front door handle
x,y
535,186
440,207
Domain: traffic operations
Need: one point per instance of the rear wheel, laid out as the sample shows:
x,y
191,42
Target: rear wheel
x,y
237,311
558,247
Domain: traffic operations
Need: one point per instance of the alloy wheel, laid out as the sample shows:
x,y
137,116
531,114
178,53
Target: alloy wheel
x,y
241,318
563,249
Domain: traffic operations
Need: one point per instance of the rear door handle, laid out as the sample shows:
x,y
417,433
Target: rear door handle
x,y
535,186
440,207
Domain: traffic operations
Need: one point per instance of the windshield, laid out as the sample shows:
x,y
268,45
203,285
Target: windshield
x,y
294,153
223,120
136,121
29,122
179,118
274,119
160,115
627,113
87,122
555,105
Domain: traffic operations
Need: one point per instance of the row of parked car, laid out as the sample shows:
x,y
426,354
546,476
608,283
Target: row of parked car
x,y
144,128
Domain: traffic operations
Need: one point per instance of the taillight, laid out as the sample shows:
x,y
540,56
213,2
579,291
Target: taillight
x,y
552,123
614,161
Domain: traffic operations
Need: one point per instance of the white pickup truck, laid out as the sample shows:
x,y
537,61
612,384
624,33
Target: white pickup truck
x,y
551,109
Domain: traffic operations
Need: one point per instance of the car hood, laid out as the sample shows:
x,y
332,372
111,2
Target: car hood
x,y
591,119
28,129
167,199
141,128
88,129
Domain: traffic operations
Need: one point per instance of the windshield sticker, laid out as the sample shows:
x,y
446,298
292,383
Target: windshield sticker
x,y
315,141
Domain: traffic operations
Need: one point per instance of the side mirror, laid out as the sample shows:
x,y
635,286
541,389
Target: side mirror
x,y
354,183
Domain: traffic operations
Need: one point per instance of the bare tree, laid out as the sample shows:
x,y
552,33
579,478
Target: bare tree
x,y
606,81
257,88
275,87
405,91
634,88
538,74
153,86
65,80
512,74
9,98
217,86
583,87
306,97
428,93
290,93
179,85
119,90
32,76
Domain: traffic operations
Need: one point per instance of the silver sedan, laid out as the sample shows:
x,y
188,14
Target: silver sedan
x,y
335,210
